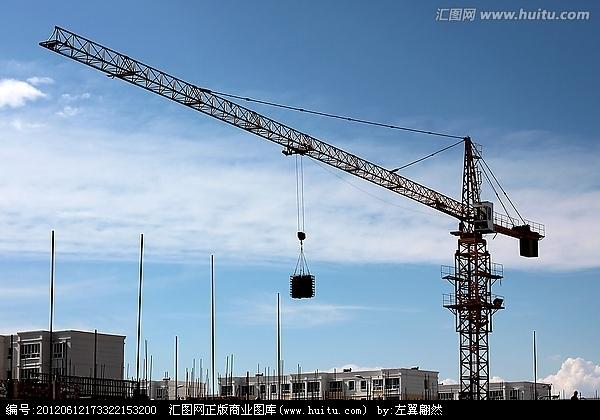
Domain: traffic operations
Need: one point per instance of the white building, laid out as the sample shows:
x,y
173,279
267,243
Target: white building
x,y
401,383
73,354
502,391
165,390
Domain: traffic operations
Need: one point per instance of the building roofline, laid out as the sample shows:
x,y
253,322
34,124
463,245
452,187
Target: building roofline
x,y
372,373
69,331
510,383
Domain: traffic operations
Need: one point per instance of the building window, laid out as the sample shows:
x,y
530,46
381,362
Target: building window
x,y
335,386
496,395
514,394
227,390
377,384
350,385
392,383
58,350
363,385
314,386
446,396
247,390
263,388
29,373
285,388
298,388
273,389
161,393
30,351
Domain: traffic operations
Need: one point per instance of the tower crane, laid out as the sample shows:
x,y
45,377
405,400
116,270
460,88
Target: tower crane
x,y
473,273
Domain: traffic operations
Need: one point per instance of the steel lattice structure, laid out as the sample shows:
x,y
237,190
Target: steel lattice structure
x,y
472,302
472,272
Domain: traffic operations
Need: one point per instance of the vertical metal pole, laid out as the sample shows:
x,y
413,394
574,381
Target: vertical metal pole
x,y
51,303
139,317
212,306
534,369
150,382
176,340
193,378
95,354
67,361
146,365
203,386
95,361
11,354
278,350
10,372
226,372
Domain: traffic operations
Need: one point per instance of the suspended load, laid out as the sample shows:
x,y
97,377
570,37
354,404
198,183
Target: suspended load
x,y
302,283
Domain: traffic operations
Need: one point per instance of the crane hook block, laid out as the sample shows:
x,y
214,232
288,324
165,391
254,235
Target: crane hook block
x,y
301,236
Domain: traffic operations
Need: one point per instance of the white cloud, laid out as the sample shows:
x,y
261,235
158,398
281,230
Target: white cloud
x,y
68,111
26,292
15,93
161,186
68,290
315,314
71,97
40,80
575,374
450,381
20,125
234,195
305,314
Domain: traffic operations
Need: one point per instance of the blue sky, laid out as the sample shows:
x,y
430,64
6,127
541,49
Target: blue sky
x,y
101,161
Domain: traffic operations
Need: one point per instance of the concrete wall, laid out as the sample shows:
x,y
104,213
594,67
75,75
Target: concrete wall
x,y
109,354
417,384
4,361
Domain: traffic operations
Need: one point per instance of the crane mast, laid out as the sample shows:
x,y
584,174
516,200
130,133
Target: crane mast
x,y
473,273
472,302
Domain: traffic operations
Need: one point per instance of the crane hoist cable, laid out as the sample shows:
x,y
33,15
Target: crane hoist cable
x,y
299,164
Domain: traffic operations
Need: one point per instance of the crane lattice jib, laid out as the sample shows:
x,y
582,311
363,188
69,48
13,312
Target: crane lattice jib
x,y
118,65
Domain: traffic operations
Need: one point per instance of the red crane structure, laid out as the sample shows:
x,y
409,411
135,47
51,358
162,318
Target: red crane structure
x,y
473,273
